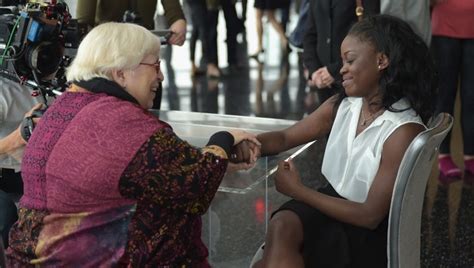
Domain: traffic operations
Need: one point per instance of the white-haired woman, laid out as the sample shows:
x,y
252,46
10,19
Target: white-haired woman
x,y
106,182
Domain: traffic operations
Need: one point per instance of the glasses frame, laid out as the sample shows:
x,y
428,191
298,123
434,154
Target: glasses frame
x,y
156,65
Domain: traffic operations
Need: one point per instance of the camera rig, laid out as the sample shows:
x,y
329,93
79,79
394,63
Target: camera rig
x,y
33,41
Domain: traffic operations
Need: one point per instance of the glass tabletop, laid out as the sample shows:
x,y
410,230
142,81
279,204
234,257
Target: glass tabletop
x,y
196,128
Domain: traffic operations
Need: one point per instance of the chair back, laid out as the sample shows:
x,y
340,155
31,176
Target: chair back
x,y
404,224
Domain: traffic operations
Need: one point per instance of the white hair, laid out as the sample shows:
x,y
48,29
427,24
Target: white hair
x,y
112,46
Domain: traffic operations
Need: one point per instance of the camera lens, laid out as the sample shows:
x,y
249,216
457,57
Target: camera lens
x,y
45,57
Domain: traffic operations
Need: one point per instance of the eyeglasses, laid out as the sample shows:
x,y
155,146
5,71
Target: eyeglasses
x,y
156,65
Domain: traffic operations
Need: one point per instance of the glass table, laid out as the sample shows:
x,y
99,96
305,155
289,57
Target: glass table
x,y
236,222
196,128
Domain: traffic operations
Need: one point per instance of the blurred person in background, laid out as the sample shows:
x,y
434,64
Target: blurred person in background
x,y
267,8
415,12
453,46
93,12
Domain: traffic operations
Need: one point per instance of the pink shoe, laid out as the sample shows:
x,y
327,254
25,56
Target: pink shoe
x,y
448,171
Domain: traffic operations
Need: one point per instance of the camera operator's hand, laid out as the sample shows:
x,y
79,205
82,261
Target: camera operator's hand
x,y
14,140
178,33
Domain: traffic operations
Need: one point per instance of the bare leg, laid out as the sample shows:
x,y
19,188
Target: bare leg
x,y
283,242
259,24
277,26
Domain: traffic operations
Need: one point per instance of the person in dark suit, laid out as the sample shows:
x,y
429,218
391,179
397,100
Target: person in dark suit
x,y
327,25
93,12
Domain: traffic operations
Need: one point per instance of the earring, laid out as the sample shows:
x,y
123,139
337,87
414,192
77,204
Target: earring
x,y
380,67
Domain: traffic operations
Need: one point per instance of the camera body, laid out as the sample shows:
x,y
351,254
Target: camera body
x,y
33,39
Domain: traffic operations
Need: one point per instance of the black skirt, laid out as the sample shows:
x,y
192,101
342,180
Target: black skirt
x,y
331,243
271,4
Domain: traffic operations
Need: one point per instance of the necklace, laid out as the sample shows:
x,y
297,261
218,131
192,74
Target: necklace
x,y
370,118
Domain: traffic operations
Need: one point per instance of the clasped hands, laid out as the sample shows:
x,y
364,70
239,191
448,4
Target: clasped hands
x,y
321,78
245,153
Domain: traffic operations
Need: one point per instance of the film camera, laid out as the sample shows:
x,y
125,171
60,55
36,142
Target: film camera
x,y
33,40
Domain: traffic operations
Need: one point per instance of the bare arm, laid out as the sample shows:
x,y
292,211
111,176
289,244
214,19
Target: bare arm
x,y
370,213
176,21
14,140
11,142
314,126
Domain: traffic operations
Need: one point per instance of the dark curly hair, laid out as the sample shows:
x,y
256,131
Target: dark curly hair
x,y
411,73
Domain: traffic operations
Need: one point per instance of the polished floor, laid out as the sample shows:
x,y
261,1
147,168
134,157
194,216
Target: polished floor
x,y
235,223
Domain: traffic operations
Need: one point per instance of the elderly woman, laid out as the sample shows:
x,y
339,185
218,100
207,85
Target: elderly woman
x,y
106,182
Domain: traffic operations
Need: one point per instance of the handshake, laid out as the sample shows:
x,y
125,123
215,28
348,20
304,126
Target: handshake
x,y
245,151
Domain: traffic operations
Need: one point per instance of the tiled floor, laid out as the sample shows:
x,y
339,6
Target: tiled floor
x,y
235,223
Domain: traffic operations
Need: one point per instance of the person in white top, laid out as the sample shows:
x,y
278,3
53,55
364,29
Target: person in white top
x,y
415,12
389,93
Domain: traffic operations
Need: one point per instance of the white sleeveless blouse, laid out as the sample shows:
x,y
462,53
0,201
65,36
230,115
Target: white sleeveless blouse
x,y
350,163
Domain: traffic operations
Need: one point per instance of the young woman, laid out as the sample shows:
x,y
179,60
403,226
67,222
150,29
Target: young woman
x,y
388,95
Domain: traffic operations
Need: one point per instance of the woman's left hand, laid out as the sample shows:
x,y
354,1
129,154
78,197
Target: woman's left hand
x,y
287,179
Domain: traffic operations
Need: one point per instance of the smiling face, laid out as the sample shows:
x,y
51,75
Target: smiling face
x,y
142,82
362,67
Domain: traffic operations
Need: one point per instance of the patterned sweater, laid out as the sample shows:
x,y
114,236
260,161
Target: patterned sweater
x,y
108,184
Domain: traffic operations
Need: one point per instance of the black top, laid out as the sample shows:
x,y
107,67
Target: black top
x,y
271,4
